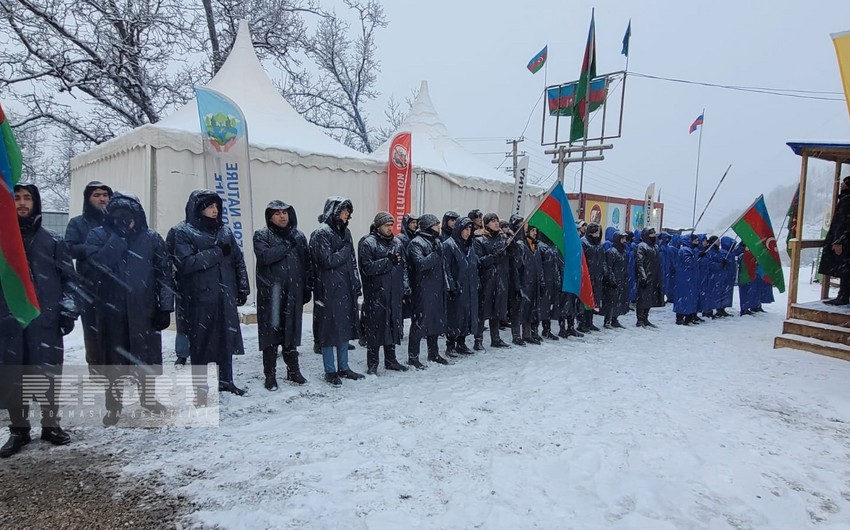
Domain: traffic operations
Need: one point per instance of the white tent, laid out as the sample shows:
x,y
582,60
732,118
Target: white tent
x,y
446,175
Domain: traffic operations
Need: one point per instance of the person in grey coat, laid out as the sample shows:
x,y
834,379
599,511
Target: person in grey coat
x,y
461,265
284,285
615,295
383,270
428,291
648,276
134,300
96,197
214,281
39,348
336,290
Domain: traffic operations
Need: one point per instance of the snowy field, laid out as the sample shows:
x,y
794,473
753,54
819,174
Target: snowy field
x,y
702,427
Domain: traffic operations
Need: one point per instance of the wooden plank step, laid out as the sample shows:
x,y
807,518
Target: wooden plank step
x,y
821,347
817,330
819,312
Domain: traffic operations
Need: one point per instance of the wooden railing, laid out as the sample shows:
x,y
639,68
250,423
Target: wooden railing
x,y
797,246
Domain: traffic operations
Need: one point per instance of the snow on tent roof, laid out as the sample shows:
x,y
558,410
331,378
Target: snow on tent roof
x,y
433,149
272,122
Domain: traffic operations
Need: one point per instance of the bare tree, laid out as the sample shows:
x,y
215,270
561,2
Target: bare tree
x,y
95,67
394,114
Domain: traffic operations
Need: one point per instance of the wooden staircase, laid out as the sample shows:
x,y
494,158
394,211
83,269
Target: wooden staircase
x,y
818,328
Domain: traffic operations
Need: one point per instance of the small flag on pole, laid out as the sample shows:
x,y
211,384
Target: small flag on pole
x,y
626,38
696,124
537,62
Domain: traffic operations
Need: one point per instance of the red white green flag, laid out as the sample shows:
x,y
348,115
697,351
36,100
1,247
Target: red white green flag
x,y
582,107
755,230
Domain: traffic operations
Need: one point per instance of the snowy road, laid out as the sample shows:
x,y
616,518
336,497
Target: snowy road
x,y
679,428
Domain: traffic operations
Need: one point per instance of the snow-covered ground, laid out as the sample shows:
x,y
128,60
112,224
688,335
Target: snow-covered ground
x,y
674,428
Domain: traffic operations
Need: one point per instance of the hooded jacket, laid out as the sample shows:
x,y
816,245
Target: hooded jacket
x,y
284,279
428,283
491,249
337,283
594,254
648,275
385,284
461,265
615,296
687,278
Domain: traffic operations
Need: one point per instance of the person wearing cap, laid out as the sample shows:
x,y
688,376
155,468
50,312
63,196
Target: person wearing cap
x,y
477,217
284,285
383,270
448,225
336,290
491,249
461,265
835,257
96,197
581,226
36,350
594,255
134,299
648,273
409,226
428,291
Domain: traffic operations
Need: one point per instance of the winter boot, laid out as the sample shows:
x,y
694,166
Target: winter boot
x,y
413,360
270,367
55,435
533,339
478,345
180,361
590,325
293,370
646,322
499,343
839,300
390,361
435,357
18,437
450,348
572,331
708,314
607,323
563,332
680,320
348,373
461,347
332,378
111,417
616,323
228,386
722,312
518,341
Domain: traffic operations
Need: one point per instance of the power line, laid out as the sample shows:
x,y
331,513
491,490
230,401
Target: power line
x,y
786,92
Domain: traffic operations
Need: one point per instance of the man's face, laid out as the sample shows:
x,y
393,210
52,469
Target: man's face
x,y
386,229
478,222
99,198
345,215
413,225
695,242
280,218
451,223
24,203
493,225
436,228
210,211
465,233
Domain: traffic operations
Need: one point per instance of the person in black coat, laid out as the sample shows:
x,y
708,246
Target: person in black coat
x,y
477,217
835,258
648,276
40,349
336,289
96,196
550,286
491,248
428,291
383,270
448,225
615,297
134,300
525,273
284,285
594,254
460,262
409,226
181,337
214,281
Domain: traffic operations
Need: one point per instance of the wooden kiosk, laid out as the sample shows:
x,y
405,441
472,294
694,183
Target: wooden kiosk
x,y
815,326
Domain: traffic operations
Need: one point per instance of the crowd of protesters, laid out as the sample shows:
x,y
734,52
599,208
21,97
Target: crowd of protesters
x,y
452,278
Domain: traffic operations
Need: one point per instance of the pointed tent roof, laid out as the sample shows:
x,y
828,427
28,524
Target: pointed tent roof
x,y
272,122
434,150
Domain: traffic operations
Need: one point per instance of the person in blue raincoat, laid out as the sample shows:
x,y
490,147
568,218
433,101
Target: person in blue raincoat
x,y
748,290
703,296
687,281
714,285
729,251
666,265
673,256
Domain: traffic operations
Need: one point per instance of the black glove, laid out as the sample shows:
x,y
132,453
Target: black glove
x,y
161,320
241,298
642,283
308,295
121,225
66,324
702,254
394,257
224,246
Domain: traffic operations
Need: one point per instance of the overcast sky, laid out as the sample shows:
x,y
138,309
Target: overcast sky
x,y
474,56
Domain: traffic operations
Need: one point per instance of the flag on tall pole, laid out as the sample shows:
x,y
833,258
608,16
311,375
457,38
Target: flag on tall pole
x,y
696,124
554,218
581,110
842,50
537,62
756,231
15,275
626,38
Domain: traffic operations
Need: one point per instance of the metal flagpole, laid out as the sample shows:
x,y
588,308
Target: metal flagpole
x,y
696,179
710,199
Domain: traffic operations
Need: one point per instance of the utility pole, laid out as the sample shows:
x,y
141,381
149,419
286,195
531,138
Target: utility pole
x,y
515,153
561,156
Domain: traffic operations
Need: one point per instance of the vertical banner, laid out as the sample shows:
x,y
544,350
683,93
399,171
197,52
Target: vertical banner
x,y
648,206
842,50
399,170
520,175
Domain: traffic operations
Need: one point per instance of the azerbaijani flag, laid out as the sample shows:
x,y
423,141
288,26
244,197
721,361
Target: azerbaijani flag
x,y
15,278
747,273
756,231
581,112
554,218
537,62
561,99
697,122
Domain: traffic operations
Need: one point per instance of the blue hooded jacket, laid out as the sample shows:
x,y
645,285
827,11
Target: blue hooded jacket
x,y
687,279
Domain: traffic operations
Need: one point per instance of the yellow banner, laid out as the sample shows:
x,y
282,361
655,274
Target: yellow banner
x,y
842,50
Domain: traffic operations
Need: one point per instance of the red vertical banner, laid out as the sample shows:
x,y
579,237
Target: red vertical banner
x,y
399,170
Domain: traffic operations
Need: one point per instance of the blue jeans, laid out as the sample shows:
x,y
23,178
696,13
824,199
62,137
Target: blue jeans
x,y
341,357
181,345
